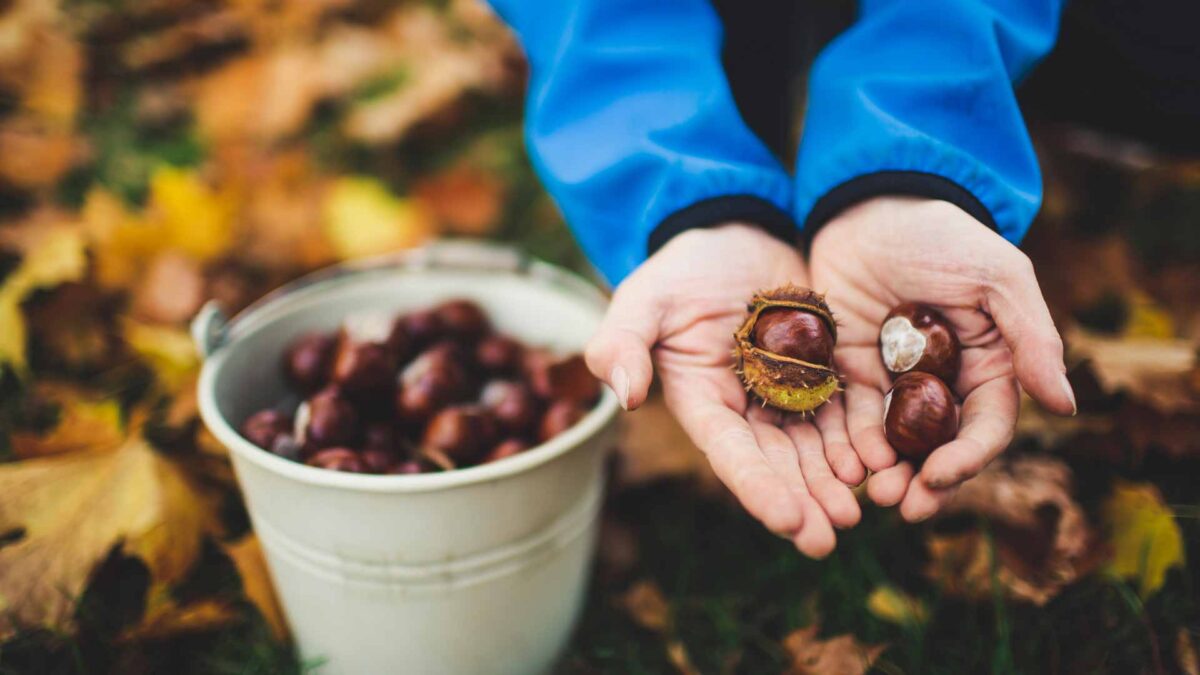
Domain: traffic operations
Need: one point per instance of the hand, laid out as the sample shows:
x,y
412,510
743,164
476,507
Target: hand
x,y
684,304
890,250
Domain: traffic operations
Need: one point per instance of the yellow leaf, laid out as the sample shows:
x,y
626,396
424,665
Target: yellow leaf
x,y
892,604
120,242
363,218
67,513
1148,320
56,257
85,422
195,218
1145,539
247,555
169,351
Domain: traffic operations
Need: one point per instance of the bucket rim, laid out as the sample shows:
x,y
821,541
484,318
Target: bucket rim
x,y
597,420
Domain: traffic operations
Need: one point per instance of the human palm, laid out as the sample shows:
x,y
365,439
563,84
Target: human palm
x,y
886,251
677,313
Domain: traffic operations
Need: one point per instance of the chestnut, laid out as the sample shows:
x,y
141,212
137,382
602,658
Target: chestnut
x,y
411,466
561,378
364,368
919,415
560,416
499,354
506,448
264,427
433,380
337,459
421,328
327,419
917,338
463,319
794,333
287,447
308,360
464,433
512,404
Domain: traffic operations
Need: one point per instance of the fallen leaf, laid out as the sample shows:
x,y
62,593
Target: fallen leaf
x,y
838,655
85,422
57,256
262,96
465,199
647,606
1185,653
894,605
169,620
34,154
678,656
247,555
362,218
66,512
1145,538
1042,538
171,290
1152,370
169,350
192,216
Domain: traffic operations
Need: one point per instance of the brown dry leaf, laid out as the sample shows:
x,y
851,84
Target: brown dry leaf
x,y
72,328
85,422
70,510
1043,540
1185,653
838,655
171,290
647,606
264,96
247,555
180,39
52,254
464,198
1152,370
167,620
678,656
34,154
653,446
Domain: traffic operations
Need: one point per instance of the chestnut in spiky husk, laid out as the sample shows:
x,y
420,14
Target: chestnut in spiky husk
x,y
785,349
917,338
919,415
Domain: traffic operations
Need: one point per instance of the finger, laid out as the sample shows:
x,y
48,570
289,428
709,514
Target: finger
x,y
726,438
619,353
1020,312
831,423
921,501
886,488
832,494
864,422
816,538
989,416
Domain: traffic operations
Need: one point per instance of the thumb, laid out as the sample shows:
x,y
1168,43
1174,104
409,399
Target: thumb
x,y
1019,310
619,353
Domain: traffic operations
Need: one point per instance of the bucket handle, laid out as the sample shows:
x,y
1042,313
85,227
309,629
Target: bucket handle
x,y
211,327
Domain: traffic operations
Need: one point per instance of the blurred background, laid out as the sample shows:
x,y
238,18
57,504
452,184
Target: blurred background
x,y
159,153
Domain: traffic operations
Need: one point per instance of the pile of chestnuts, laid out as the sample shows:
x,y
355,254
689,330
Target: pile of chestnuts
x,y
784,352
922,352
431,390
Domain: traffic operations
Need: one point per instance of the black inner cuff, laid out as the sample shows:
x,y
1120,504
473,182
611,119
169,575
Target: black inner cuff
x,y
721,210
907,183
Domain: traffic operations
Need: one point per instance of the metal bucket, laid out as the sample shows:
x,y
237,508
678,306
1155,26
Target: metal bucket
x,y
479,570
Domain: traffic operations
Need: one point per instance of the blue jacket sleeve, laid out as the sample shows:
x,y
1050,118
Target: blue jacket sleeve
x,y
917,98
632,127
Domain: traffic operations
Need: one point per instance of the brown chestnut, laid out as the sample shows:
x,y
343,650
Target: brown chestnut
x,y
794,333
287,447
463,319
411,466
561,378
264,427
919,415
499,354
326,420
433,380
421,328
560,416
512,404
917,338
506,448
364,368
308,360
463,433
337,459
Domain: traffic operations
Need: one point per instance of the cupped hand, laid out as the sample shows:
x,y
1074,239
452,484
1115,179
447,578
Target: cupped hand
x,y
677,313
890,250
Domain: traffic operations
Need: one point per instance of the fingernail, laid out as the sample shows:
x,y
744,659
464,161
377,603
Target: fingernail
x,y
619,380
1066,385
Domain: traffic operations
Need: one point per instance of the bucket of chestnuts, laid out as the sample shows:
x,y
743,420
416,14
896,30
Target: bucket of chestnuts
x,y
421,450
